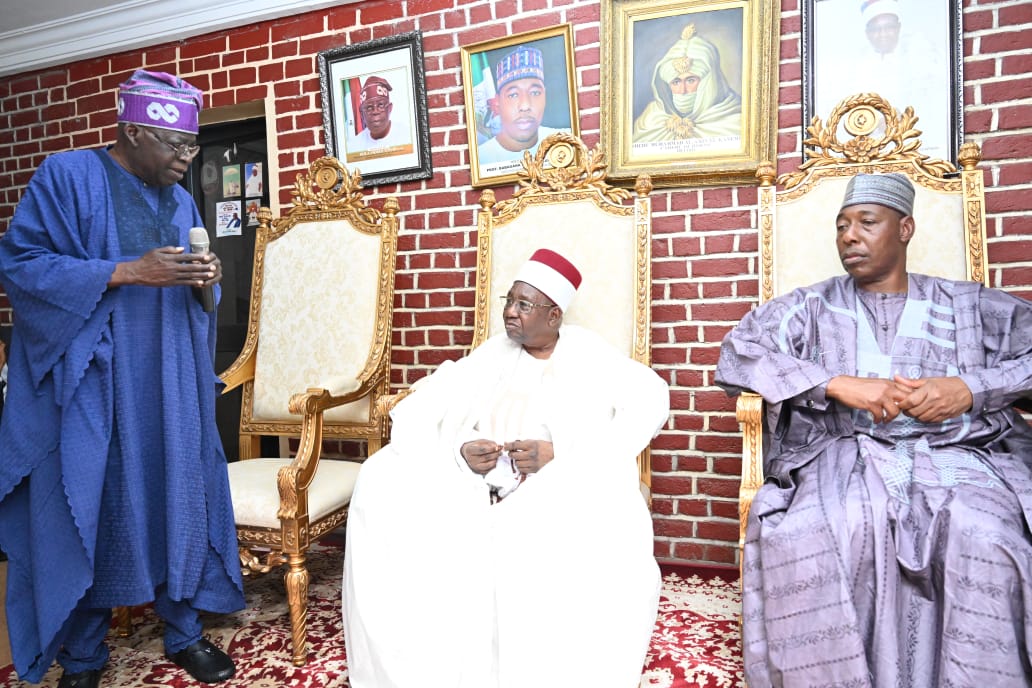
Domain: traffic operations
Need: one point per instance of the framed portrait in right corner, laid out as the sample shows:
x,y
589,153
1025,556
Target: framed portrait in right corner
x,y
909,52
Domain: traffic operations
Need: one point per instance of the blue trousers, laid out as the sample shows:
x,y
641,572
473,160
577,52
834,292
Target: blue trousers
x,y
84,648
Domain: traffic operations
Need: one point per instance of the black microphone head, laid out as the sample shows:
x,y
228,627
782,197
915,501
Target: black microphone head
x,y
199,240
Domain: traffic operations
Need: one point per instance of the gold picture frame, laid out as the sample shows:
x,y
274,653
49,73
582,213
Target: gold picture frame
x,y
659,116
542,97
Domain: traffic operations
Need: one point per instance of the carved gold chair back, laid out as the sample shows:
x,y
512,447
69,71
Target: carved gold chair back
x,y
564,203
863,134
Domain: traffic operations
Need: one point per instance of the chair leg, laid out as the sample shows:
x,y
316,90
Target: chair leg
x,y
296,580
123,621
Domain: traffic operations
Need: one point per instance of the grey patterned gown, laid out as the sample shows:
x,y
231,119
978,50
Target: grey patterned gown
x,y
894,554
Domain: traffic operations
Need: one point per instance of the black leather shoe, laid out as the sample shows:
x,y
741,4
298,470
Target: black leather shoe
x,y
204,661
83,679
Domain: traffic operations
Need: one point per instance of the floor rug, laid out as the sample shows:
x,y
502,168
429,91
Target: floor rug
x,y
695,644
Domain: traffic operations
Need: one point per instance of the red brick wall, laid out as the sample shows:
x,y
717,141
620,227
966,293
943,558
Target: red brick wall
x,y
705,244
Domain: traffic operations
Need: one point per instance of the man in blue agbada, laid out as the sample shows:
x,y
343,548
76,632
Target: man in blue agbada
x,y
113,483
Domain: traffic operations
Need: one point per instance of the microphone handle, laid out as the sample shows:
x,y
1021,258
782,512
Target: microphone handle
x,y
206,295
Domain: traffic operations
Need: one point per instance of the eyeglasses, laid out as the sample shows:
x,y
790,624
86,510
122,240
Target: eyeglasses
x,y
186,151
523,307
375,108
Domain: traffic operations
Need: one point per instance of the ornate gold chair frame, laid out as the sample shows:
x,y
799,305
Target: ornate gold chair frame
x,y
320,321
564,202
878,139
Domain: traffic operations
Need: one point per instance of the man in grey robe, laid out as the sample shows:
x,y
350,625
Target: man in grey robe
x,y
890,543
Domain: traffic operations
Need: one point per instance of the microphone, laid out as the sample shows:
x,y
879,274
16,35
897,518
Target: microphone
x,y
199,245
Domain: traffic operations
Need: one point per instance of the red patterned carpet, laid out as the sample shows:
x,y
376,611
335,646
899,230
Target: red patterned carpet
x,y
695,644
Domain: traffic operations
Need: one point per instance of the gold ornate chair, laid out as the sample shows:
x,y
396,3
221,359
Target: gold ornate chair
x,y
315,362
863,134
564,202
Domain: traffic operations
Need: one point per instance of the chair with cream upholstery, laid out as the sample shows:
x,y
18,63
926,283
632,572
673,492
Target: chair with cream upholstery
x,y
315,361
565,203
875,138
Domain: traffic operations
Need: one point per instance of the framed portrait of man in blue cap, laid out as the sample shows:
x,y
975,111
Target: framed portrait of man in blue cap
x,y
519,90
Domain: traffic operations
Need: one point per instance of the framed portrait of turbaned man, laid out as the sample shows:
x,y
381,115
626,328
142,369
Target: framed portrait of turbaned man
x,y
689,89
374,108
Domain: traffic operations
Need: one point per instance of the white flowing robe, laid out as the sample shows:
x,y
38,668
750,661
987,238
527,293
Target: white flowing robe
x,y
554,586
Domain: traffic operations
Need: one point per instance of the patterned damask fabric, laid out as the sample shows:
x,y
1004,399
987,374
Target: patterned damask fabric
x,y
318,316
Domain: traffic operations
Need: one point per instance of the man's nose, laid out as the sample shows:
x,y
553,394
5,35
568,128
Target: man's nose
x,y
848,235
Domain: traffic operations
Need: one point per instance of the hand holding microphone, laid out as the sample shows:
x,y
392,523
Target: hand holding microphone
x,y
199,245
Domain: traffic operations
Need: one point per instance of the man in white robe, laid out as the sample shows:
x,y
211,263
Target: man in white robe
x,y
553,585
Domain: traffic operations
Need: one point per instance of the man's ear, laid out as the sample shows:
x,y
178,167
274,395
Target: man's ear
x,y
132,133
907,227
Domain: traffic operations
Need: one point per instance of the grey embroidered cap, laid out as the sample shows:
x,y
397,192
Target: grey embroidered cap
x,y
890,190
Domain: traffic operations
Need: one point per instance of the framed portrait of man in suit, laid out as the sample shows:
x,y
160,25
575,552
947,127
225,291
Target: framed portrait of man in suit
x,y
374,108
519,90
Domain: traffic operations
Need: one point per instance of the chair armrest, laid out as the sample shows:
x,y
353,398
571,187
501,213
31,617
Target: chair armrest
x,y
240,371
334,392
386,403
310,405
749,411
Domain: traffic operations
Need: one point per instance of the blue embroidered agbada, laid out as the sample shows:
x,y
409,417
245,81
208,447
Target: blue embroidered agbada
x,y
112,476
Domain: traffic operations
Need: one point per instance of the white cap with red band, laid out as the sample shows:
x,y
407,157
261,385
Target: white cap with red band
x,y
552,275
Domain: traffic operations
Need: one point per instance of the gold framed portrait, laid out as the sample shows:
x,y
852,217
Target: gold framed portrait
x,y
519,90
689,89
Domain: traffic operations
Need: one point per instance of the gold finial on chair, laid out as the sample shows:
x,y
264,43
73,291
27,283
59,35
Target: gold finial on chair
x,y
766,173
487,199
970,155
643,184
